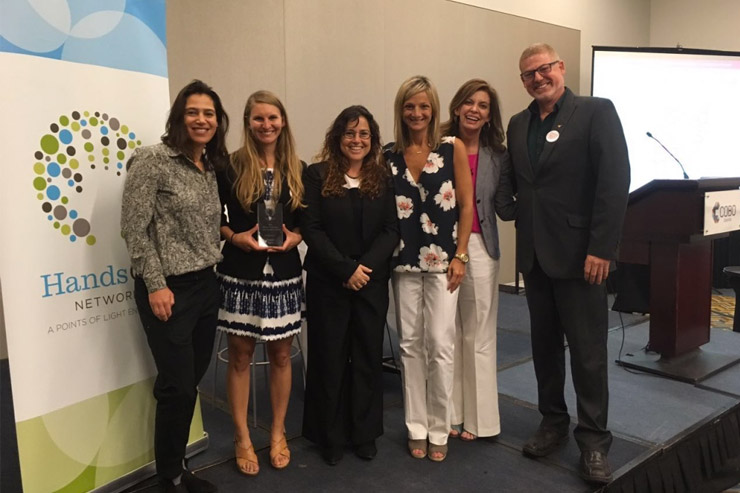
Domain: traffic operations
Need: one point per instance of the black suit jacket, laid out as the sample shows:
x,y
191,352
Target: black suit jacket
x,y
327,223
572,202
249,265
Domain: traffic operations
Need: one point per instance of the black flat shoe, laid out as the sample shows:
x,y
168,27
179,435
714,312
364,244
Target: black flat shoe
x,y
332,455
594,467
544,442
366,450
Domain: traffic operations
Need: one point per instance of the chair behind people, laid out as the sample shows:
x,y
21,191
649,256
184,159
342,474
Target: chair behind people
x,y
223,357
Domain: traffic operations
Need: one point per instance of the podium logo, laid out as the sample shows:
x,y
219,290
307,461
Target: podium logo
x,y
78,145
722,211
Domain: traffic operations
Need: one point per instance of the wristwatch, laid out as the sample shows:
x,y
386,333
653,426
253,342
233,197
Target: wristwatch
x,y
462,257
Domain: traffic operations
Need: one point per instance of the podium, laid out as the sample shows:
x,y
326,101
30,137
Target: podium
x,y
666,229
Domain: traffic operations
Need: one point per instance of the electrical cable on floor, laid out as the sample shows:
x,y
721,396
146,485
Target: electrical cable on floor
x,y
621,347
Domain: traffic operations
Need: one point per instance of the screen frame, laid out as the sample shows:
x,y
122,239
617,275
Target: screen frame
x,y
678,50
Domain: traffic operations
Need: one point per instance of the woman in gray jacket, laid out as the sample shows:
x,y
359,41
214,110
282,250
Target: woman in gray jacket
x,y
475,118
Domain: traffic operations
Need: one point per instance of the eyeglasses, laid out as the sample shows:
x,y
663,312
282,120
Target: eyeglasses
x,y
350,135
542,70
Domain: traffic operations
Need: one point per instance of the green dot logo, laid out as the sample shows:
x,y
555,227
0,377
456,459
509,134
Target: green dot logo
x,y
76,146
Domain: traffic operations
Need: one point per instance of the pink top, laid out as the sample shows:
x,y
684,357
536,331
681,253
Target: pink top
x,y
473,161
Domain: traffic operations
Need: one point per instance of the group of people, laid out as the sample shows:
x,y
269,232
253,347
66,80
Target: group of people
x,y
420,212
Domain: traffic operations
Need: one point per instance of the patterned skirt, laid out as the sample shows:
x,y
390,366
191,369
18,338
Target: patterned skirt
x,y
267,310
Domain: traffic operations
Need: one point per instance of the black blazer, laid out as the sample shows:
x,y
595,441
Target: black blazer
x,y
240,264
327,223
572,203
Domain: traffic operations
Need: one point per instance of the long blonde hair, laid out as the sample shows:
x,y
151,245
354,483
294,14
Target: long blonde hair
x,y
249,184
411,87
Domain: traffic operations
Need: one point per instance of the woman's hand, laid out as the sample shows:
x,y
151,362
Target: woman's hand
x,y
161,302
455,274
245,240
292,240
359,278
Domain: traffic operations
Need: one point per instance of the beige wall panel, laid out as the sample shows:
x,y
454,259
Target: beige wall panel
x,y
334,59
601,22
414,38
709,24
237,47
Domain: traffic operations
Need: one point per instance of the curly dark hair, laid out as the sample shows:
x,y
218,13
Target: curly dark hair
x,y
176,134
374,174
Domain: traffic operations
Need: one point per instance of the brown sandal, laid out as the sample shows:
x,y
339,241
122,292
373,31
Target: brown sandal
x,y
244,457
441,449
418,445
277,449
466,436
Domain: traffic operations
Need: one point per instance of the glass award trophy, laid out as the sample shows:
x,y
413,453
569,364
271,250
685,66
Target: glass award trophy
x,y
270,221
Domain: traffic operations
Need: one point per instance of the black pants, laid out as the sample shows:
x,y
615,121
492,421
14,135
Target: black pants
x,y
344,383
181,348
577,310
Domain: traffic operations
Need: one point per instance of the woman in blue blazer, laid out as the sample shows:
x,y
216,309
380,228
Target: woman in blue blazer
x,y
351,230
475,118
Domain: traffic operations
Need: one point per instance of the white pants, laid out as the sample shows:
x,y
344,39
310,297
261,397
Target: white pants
x,y
425,318
475,389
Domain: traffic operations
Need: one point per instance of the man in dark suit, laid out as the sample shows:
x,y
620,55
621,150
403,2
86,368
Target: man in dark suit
x,y
571,173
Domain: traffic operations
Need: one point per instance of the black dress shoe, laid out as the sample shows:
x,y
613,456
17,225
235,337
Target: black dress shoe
x,y
167,486
366,450
332,455
194,484
544,442
594,467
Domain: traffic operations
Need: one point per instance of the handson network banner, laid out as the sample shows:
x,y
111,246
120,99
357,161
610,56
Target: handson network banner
x,y
84,84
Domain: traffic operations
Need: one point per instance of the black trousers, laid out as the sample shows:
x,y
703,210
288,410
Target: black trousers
x,y
344,382
181,348
576,310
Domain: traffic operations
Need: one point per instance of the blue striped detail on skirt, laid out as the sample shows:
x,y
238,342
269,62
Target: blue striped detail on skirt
x,y
267,309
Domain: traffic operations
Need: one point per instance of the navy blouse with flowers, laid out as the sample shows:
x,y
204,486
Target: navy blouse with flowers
x,y
427,210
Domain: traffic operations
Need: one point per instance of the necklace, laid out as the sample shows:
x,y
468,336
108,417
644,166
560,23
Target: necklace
x,y
353,177
421,149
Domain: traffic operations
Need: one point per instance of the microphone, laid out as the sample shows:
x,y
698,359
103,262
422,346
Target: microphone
x,y
685,176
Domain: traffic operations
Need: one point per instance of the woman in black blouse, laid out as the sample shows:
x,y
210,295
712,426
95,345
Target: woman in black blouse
x,y
262,286
351,230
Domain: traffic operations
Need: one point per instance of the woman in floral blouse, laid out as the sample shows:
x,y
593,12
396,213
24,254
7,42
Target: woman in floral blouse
x,y
435,211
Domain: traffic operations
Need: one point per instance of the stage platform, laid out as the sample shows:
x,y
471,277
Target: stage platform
x,y
668,435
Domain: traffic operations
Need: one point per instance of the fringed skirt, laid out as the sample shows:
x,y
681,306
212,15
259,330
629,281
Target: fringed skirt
x,y
267,310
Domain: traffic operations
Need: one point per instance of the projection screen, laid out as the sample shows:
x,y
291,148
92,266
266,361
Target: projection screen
x,y
687,99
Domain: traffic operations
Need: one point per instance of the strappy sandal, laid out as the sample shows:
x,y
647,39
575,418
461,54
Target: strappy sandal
x,y
245,457
467,438
456,431
277,449
441,449
415,445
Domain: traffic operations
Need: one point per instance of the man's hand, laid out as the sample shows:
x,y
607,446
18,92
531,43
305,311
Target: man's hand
x,y
595,269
